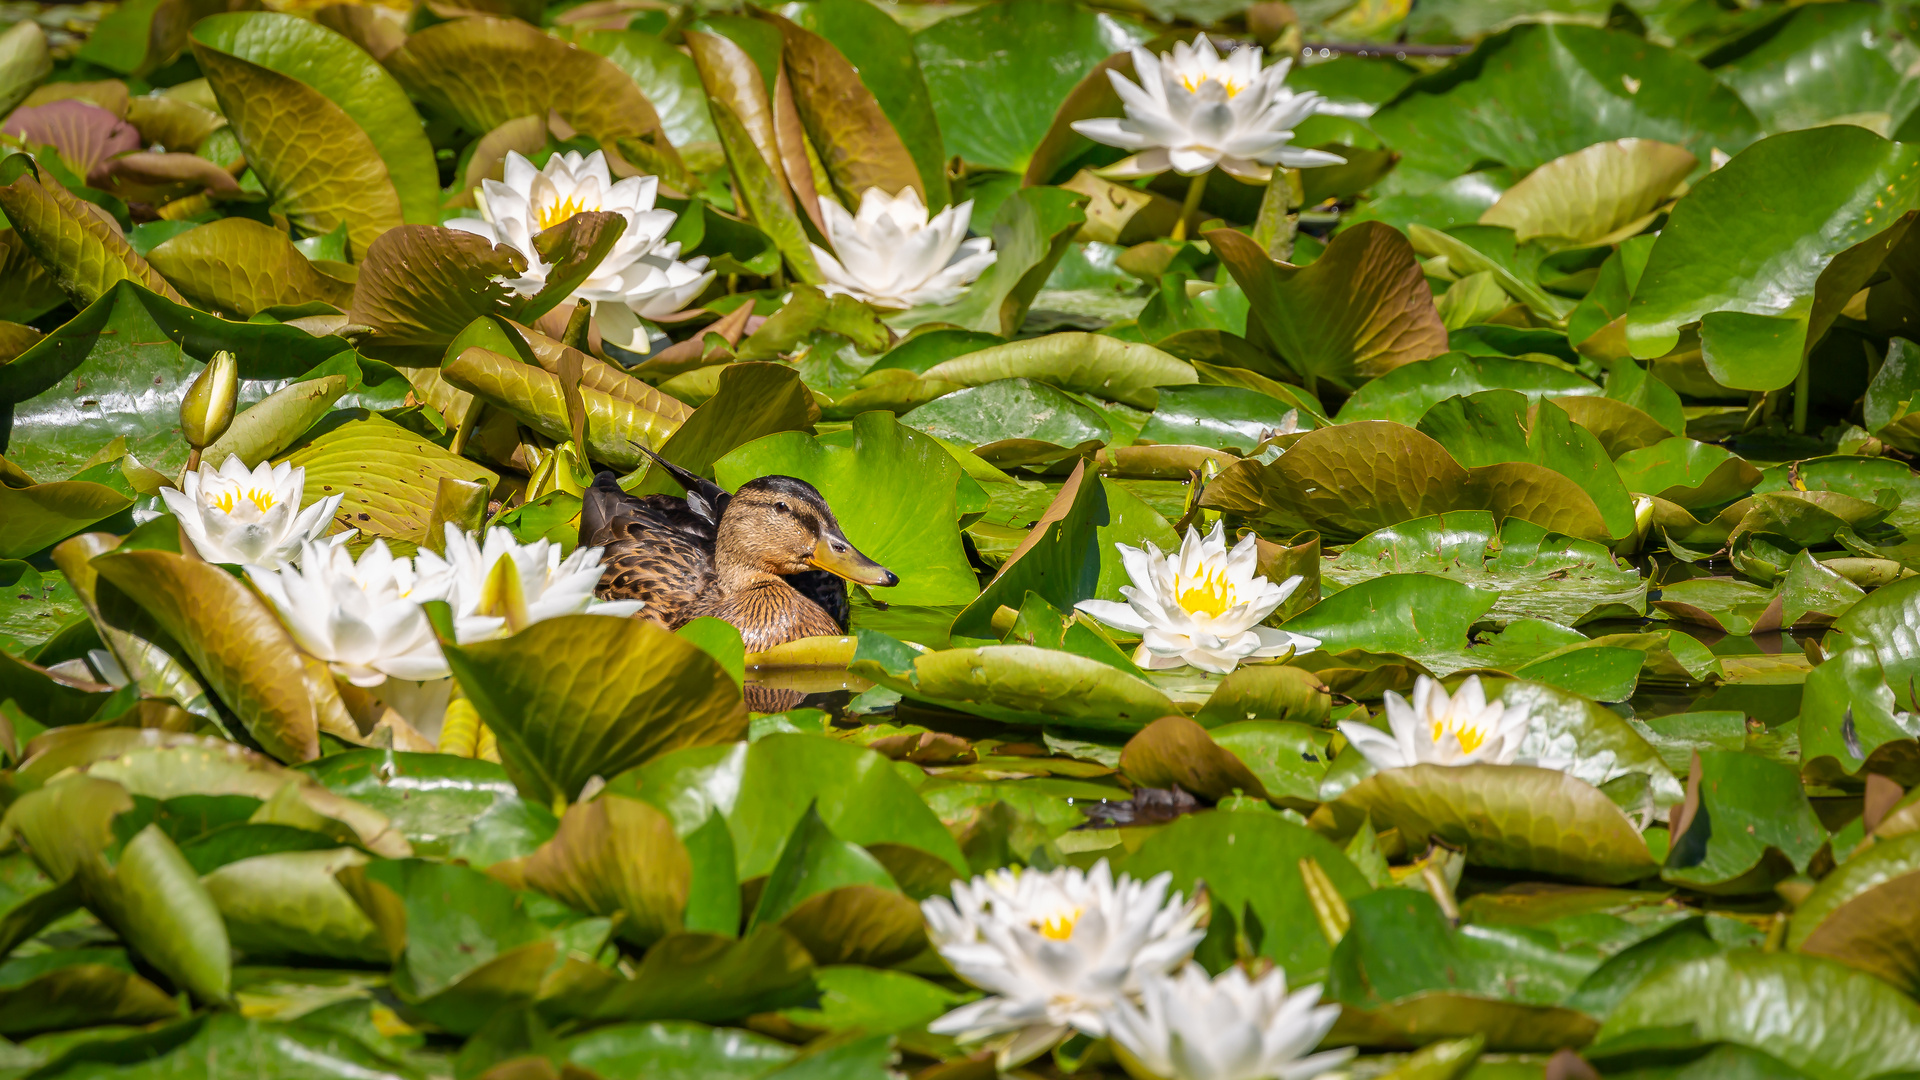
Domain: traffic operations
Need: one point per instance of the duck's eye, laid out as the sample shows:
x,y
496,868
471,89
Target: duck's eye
x,y
782,507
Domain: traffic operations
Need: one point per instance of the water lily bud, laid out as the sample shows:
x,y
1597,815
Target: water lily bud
x,y
1642,522
208,407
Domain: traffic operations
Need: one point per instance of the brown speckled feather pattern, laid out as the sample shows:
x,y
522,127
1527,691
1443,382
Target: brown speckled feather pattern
x,y
768,614
660,551
655,553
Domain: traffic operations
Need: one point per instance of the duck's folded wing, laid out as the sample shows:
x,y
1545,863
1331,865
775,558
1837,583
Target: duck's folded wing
x,y
658,551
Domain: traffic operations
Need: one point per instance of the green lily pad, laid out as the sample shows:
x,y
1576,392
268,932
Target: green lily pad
x,y
244,267
86,253
857,145
1537,574
1348,480
881,52
389,476
445,806
437,64
1497,426
45,514
1513,817
1020,684
1032,231
764,789
1222,417
1593,195
665,75
1857,913
1404,394
1251,866
676,1048
612,856
220,1040
55,991
1808,67
873,1000
754,399
333,66
743,116
452,929
246,656
1850,1023
1875,480
287,905
1175,750
1694,475
993,106
1746,824
1513,101
134,878
1011,411
1372,309
1091,364
1070,554
1708,262
1405,977
1422,616
560,724
701,977
34,605
24,62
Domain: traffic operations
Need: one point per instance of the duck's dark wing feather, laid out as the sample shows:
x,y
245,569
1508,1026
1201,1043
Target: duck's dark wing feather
x,y
658,550
825,589
704,497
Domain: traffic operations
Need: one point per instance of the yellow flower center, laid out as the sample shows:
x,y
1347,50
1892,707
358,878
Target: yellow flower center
x,y
1210,592
1059,925
558,212
225,501
1193,87
1469,738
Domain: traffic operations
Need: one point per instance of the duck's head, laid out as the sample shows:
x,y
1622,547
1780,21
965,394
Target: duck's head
x,y
780,525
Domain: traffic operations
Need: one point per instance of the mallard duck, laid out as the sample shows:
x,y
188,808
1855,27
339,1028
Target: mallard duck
x,y
769,558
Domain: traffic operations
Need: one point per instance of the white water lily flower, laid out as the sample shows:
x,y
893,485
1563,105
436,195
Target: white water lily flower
x,y
891,256
363,619
251,517
1202,606
1464,729
642,277
1191,1027
502,586
1056,949
1194,110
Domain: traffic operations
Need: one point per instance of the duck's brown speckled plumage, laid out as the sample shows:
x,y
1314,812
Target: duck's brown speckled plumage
x,y
747,558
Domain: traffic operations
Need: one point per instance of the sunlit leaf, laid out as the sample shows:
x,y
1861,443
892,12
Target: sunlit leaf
x,y
1371,309
389,476
329,63
1513,817
626,693
484,71
232,638
242,266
